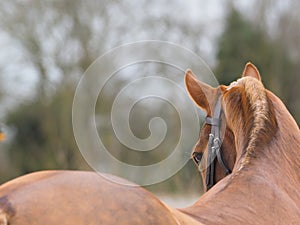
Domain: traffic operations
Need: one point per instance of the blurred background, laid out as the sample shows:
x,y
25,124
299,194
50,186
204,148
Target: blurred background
x,y
47,45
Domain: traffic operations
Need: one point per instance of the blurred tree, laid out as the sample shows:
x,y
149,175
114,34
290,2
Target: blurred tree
x,y
55,42
44,138
240,42
244,41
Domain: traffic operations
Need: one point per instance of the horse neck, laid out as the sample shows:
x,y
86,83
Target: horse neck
x,y
270,173
284,151
280,157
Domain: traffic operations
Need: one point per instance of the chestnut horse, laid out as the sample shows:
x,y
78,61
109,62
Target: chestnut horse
x,y
260,147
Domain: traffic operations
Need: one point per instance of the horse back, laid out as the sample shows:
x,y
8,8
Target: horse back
x,y
73,197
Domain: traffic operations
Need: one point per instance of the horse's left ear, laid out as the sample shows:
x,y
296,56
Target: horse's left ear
x,y
251,71
201,93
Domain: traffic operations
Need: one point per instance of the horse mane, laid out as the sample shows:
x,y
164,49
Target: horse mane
x,y
248,100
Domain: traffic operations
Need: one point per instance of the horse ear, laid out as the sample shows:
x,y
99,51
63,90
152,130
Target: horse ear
x,y
251,71
200,92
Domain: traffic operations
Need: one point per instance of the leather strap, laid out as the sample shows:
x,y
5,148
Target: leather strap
x,y
214,145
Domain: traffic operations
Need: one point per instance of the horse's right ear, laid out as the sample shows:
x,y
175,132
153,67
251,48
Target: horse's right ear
x,y
251,71
200,92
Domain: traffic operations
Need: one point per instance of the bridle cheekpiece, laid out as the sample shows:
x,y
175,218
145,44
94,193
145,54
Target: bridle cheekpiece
x,y
214,145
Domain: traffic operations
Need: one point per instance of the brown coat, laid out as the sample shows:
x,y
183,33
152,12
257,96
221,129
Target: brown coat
x,y
82,198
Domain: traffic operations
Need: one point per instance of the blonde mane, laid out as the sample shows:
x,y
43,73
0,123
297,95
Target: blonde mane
x,y
259,118
256,94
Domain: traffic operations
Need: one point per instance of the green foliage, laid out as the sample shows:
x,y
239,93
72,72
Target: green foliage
x,y
44,136
243,41
56,42
240,42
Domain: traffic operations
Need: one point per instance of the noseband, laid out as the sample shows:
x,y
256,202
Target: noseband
x,y
214,146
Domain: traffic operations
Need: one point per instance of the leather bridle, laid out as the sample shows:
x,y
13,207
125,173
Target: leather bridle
x,y
214,146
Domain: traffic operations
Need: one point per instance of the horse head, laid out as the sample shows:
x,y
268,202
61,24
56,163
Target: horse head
x,y
219,104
